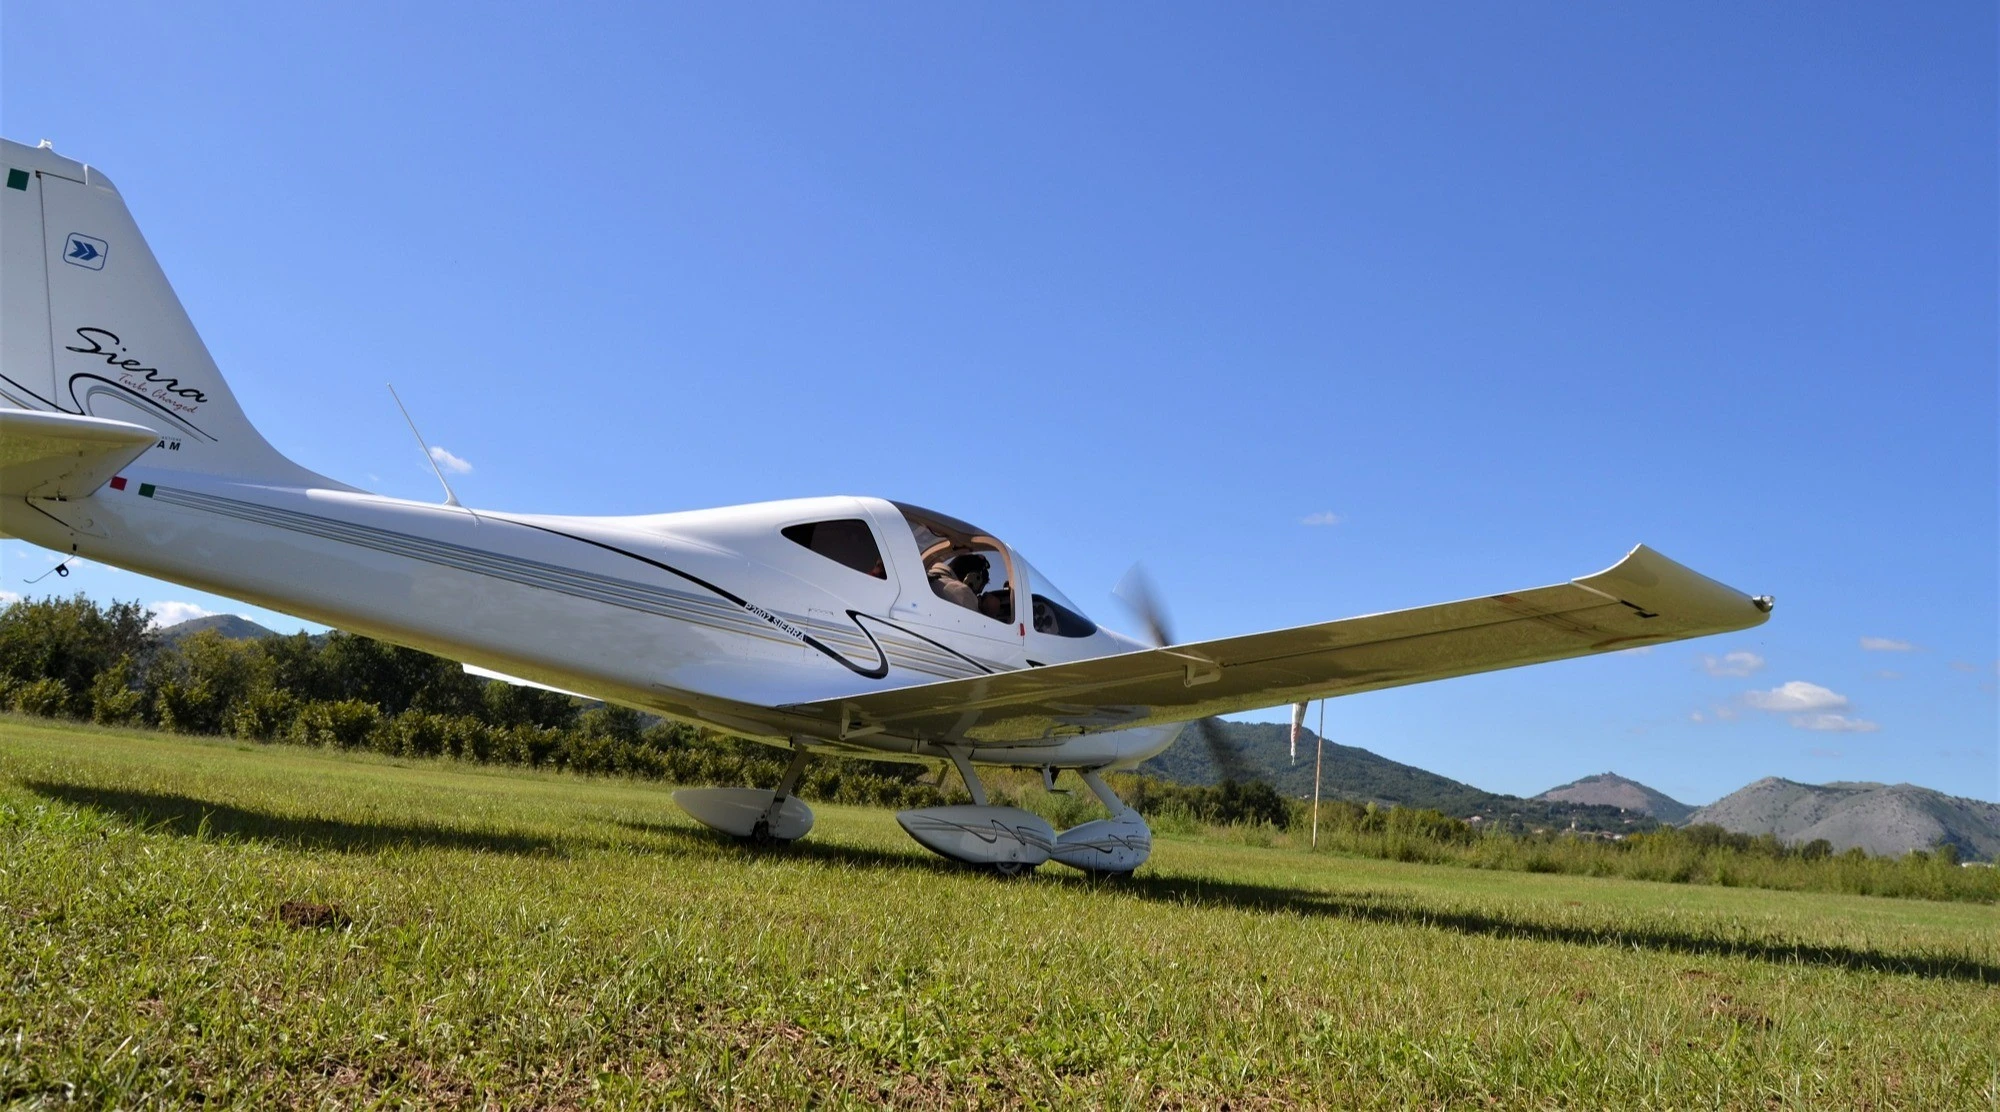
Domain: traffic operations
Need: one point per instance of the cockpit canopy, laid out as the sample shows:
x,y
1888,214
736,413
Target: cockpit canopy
x,y
969,567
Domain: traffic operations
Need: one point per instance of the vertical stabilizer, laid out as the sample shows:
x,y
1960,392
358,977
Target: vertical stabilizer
x,y
89,325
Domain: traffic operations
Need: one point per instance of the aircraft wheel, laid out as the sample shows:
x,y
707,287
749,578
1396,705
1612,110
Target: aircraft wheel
x,y
1011,869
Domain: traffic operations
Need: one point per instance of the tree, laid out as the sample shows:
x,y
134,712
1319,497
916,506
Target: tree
x,y
70,641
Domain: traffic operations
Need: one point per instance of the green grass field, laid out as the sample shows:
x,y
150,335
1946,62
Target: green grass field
x,y
210,921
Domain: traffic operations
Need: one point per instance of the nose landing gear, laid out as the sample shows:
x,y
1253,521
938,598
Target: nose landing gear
x,y
756,815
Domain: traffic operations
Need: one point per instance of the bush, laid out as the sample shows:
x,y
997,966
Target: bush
x,y
263,714
344,723
187,708
115,699
469,739
413,733
48,697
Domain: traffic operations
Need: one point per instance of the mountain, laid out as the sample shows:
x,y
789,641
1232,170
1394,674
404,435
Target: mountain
x,y
1608,789
229,626
1880,818
1359,776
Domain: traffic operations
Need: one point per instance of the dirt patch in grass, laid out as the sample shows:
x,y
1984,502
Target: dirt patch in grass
x,y
305,915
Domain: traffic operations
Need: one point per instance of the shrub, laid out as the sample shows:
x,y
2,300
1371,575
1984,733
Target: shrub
x,y
343,723
187,708
263,714
469,739
114,698
48,697
414,733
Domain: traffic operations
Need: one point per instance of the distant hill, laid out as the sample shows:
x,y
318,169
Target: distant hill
x,y
1880,818
230,626
1608,789
1359,776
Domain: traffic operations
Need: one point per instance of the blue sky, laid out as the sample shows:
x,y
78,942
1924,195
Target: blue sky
x,y
1316,312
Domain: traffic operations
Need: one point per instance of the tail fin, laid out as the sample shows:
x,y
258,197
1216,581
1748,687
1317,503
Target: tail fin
x,y
89,325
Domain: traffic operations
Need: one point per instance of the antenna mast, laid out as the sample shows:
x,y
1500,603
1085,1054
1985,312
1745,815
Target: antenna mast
x,y
450,499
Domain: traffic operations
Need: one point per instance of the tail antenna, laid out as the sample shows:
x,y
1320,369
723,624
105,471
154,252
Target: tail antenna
x,y
450,499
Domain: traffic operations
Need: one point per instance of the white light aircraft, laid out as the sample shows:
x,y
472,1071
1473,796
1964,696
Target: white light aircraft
x,y
839,626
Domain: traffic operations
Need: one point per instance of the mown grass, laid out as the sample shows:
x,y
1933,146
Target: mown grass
x,y
191,920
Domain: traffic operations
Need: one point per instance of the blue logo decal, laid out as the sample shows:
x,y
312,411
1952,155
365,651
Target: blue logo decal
x,y
85,251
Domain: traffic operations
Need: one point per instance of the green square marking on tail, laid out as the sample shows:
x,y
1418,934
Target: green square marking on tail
x,y
145,490
17,179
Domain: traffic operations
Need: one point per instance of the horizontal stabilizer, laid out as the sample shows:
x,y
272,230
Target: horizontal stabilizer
x,y
1644,599
58,455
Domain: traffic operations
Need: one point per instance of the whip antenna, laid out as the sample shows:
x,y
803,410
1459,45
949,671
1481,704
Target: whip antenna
x,y
450,499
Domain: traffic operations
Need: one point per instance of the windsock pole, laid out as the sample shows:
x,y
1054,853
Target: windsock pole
x,y
1319,760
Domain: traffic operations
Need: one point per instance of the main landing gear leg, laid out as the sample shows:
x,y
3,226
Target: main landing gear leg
x,y
760,816
761,833
1110,847
965,772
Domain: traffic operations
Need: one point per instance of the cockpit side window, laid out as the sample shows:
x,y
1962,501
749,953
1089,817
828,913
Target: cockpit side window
x,y
847,541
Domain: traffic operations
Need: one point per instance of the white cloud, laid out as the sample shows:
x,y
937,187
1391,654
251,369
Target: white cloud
x,y
1798,696
1888,674
1695,716
8,598
450,462
1324,517
1733,664
1834,723
1886,645
174,613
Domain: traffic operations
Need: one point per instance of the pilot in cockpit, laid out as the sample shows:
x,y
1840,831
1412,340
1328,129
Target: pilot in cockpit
x,y
961,579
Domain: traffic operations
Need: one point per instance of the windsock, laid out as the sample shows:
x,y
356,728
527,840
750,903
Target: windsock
x,y
1298,720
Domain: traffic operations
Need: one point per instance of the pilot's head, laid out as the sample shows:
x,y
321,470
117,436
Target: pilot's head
x,y
972,569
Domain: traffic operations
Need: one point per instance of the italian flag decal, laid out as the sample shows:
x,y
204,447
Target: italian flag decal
x,y
145,489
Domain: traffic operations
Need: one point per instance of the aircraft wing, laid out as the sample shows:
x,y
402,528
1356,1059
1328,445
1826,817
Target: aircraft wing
x,y
58,455
1644,599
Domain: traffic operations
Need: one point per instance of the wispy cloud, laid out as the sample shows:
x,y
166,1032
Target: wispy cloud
x,y
8,598
1796,696
1834,723
1733,664
1888,674
1964,666
1324,517
448,461
1887,645
1825,754
174,613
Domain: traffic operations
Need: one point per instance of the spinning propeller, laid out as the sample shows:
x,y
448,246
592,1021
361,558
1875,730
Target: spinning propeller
x,y
1136,591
